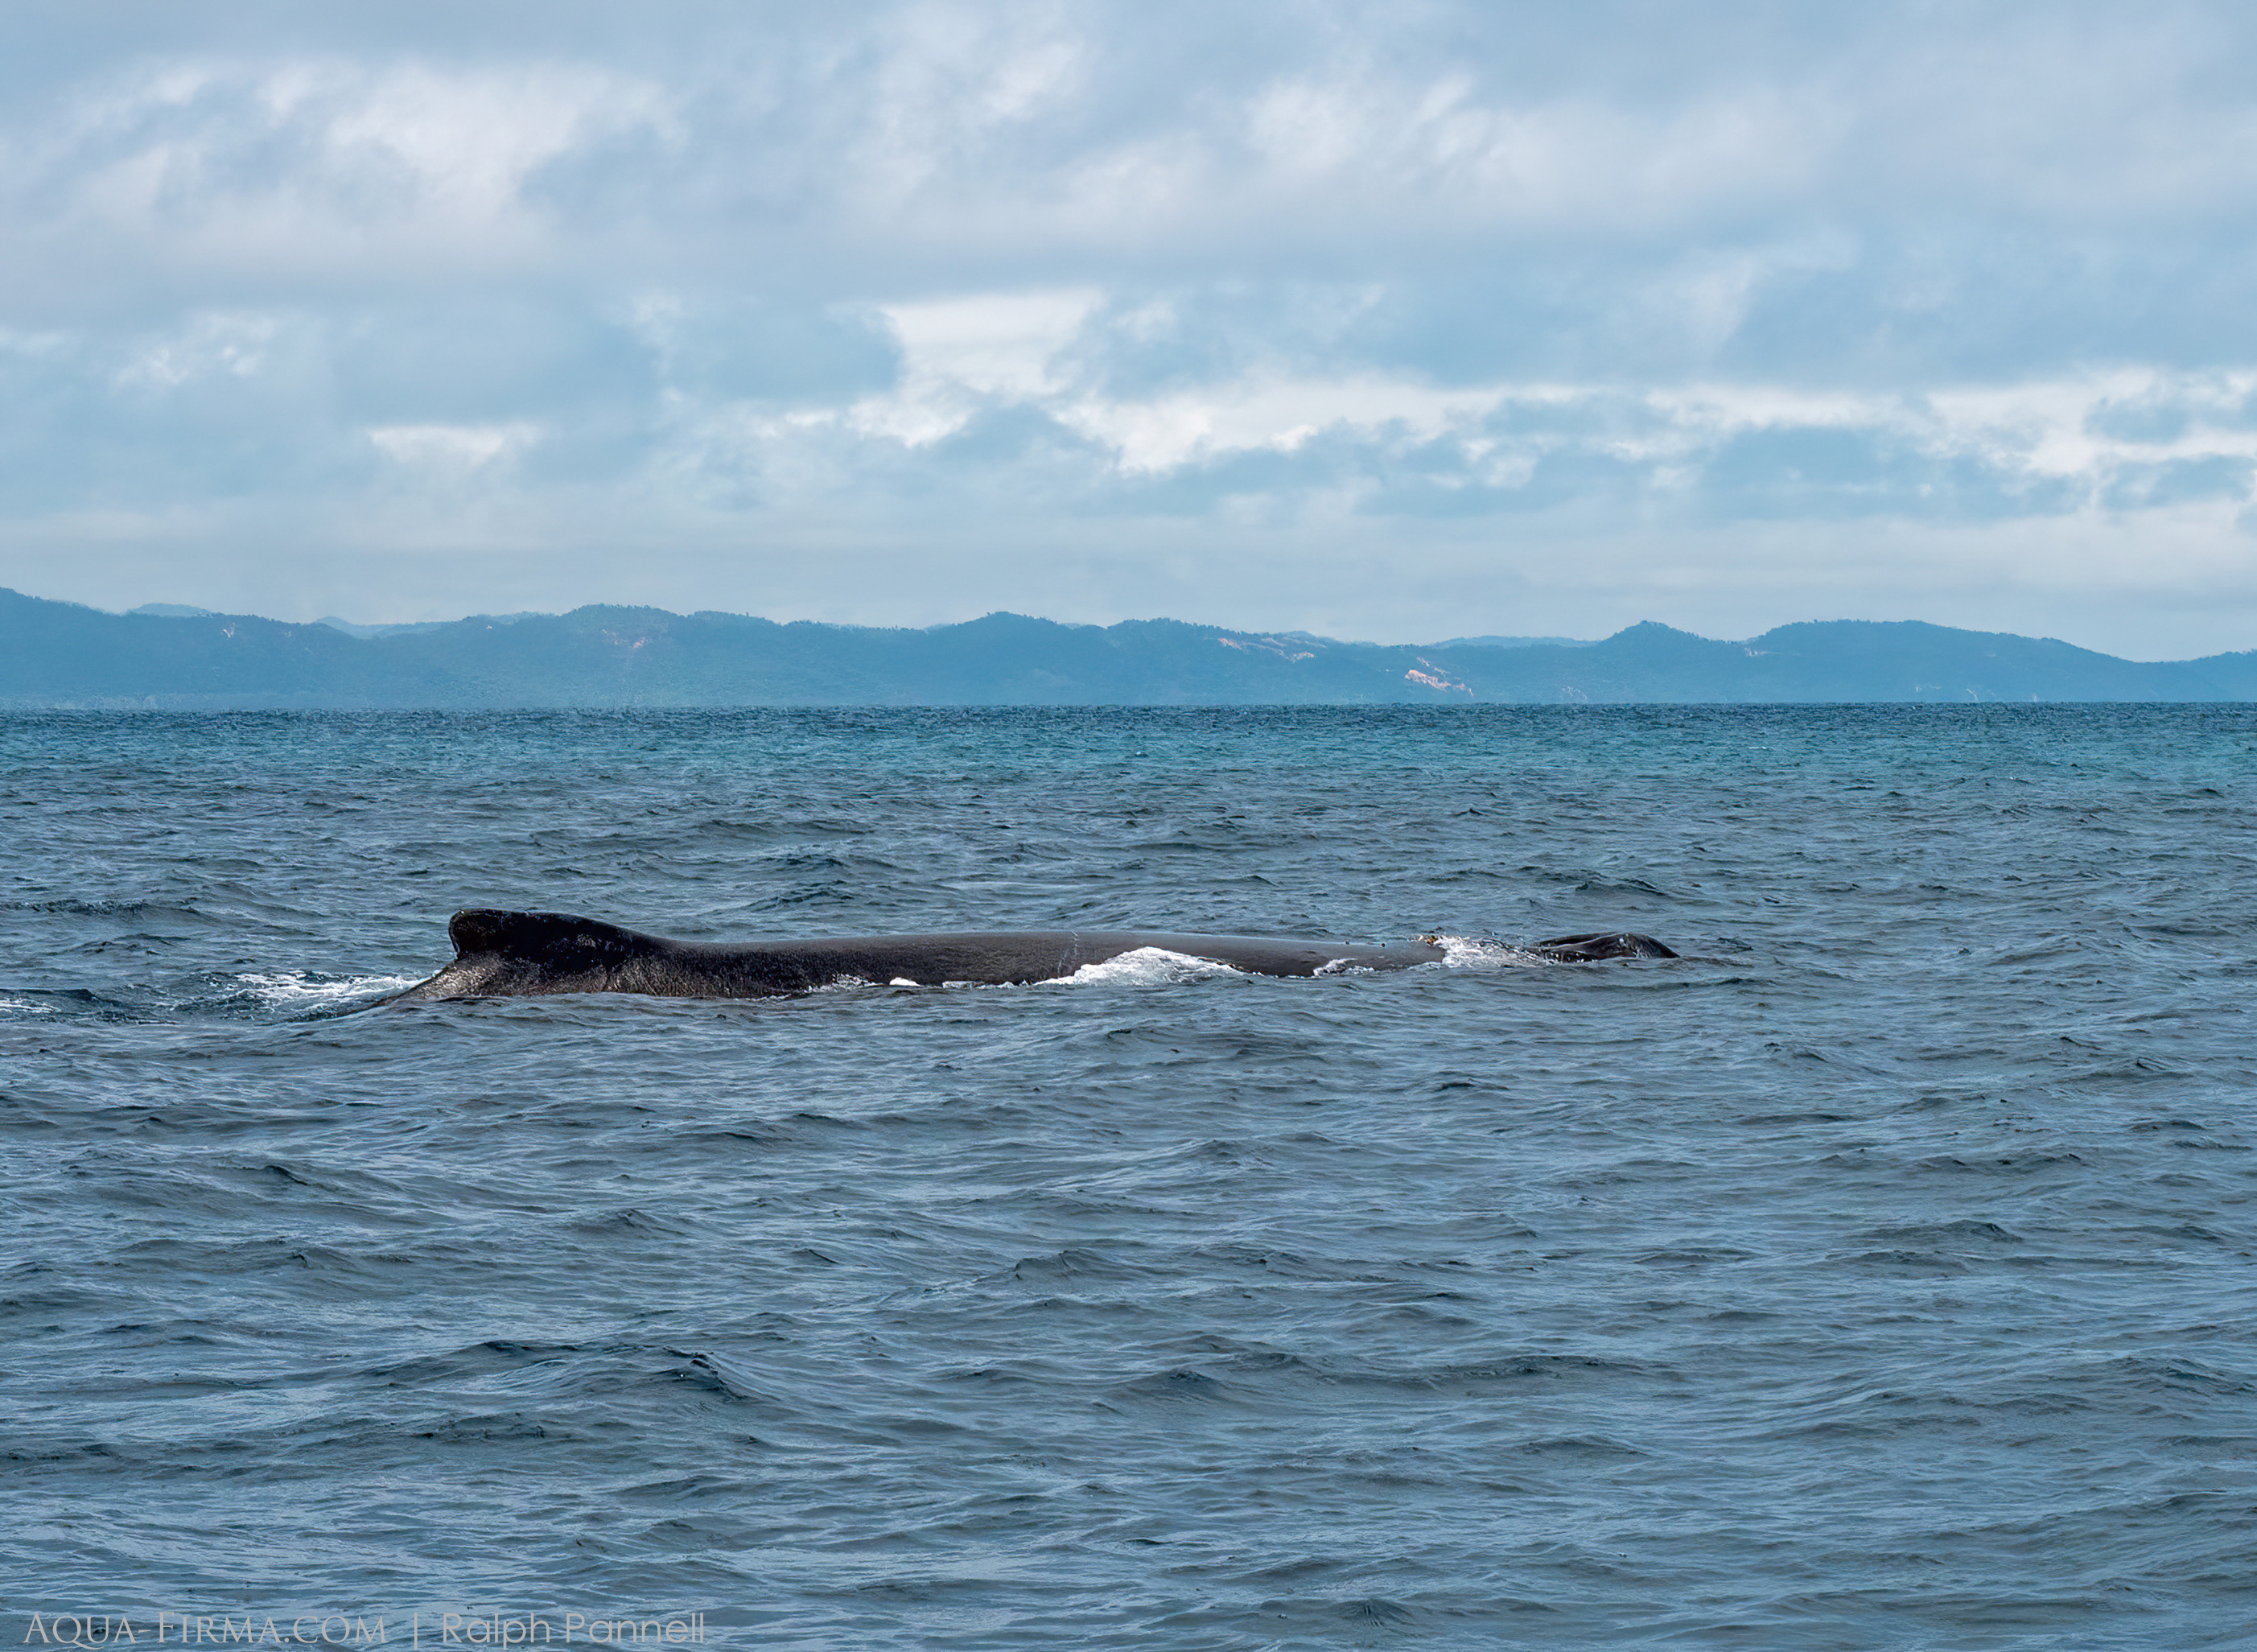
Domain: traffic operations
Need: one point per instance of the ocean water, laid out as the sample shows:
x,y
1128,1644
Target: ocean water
x,y
1879,1274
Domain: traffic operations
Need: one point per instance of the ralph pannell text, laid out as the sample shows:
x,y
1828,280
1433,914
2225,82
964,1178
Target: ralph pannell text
x,y
356,1630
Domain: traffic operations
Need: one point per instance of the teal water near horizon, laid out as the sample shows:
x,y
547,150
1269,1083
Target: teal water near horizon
x,y
1879,1274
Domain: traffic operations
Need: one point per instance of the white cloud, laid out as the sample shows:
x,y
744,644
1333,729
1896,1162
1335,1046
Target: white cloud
x,y
236,345
1276,413
451,448
960,353
301,167
980,353
1436,148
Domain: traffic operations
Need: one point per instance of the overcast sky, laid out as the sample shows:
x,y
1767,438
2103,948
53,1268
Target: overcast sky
x,y
1395,320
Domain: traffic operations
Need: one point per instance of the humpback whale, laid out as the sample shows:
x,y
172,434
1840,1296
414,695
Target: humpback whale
x,y
504,954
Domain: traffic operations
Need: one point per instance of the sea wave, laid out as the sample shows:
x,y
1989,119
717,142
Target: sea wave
x,y
1145,967
298,988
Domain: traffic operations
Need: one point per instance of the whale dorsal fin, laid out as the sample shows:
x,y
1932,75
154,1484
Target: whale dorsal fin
x,y
557,940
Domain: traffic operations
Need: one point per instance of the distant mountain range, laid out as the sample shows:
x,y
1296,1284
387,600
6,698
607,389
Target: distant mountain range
x,y
59,655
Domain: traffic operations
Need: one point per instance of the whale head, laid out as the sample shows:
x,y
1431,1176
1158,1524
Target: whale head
x,y
1585,949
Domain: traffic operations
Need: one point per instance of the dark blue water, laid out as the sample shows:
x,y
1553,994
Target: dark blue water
x,y
1878,1276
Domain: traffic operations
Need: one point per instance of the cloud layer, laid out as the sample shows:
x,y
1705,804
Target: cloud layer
x,y
1387,320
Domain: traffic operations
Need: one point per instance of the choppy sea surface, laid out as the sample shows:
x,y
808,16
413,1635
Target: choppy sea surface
x,y
1879,1274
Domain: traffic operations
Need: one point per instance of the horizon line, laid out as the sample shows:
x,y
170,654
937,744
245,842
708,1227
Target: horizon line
x,y
371,630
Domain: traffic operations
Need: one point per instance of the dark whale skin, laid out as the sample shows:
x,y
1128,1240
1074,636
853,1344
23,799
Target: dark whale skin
x,y
1593,948
503,954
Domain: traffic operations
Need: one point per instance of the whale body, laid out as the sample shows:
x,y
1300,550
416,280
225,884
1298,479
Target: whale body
x,y
502,954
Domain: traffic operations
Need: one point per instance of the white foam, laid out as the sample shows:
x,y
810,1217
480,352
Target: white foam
x,y
295,987
26,1006
1146,966
1462,951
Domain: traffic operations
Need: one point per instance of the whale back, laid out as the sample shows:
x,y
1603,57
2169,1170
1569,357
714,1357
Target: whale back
x,y
560,941
516,953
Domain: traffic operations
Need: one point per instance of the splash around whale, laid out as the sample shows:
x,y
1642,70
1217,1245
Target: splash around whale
x,y
505,955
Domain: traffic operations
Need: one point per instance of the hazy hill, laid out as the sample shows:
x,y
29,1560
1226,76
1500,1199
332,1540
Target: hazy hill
x,y
58,654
